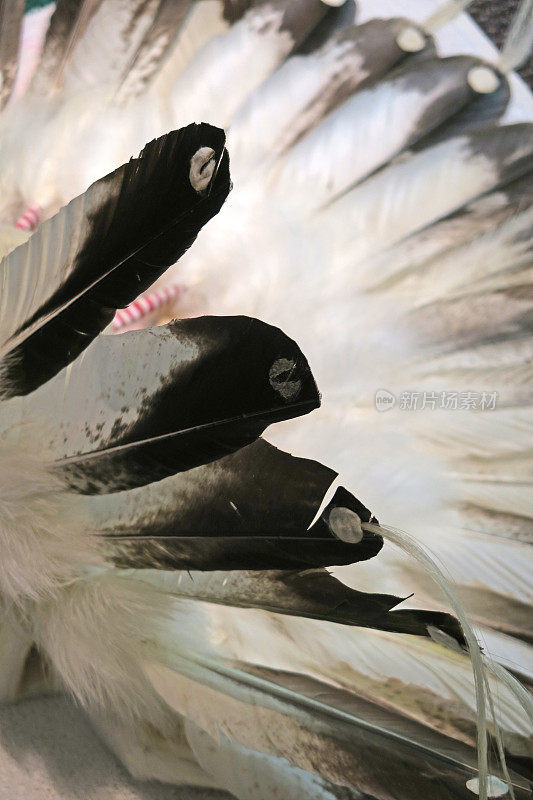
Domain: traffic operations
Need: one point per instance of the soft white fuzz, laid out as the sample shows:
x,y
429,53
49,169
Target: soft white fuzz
x,y
96,634
42,540
93,625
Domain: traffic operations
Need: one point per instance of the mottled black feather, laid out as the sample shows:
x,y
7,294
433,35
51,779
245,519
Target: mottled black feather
x,y
258,490
238,375
319,595
227,535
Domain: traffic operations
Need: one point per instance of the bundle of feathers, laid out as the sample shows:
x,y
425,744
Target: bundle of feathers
x,y
227,612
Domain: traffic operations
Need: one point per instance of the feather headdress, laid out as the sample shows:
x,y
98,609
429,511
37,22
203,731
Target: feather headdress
x,y
211,599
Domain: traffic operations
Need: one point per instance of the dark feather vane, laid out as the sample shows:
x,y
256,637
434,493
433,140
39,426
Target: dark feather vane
x,y
142,218
312,593
287,549
230,378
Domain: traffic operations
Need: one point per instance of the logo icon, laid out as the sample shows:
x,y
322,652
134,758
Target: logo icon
x,y
384,400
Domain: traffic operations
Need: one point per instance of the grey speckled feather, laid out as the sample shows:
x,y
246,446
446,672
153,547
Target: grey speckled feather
x,y
313,593
508,526
330,732
476,317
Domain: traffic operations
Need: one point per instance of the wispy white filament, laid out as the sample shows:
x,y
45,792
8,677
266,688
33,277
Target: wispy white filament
x,y
413,548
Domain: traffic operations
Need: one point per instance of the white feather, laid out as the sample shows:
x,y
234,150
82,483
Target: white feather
x,y
514,497
110,40
30,275
411,194
394,264
42,537
152,754
266,123
242,59
362,135
389,667
503,247
252,775
255,258
203,21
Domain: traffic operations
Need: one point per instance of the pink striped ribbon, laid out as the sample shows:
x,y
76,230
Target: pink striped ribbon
x,y
143,306
30,219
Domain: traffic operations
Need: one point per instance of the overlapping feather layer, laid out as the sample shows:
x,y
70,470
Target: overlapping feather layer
x,y
381,217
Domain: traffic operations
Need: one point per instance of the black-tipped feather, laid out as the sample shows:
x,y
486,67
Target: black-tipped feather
x,y
102,251
468,109
211,386
259,490
248,511
336,18
314,593
352,58
483,109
